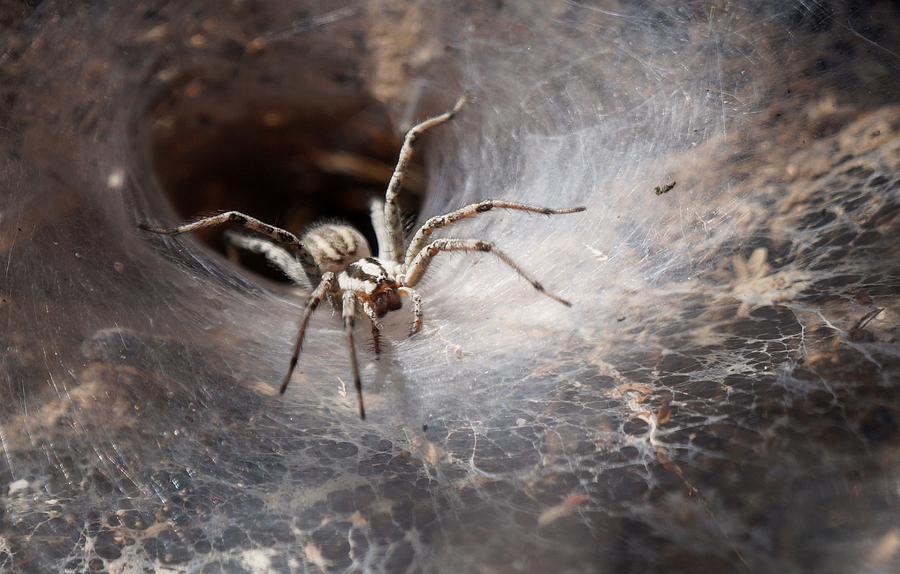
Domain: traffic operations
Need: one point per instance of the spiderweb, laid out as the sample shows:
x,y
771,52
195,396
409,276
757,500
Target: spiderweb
x,y
721,397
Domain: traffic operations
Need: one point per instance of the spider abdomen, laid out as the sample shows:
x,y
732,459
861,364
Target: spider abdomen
x,y
334,246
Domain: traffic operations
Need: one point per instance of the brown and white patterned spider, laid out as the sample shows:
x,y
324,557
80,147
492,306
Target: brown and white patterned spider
x,y
338,261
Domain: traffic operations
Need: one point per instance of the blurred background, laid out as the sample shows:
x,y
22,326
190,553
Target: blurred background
x,y
722,396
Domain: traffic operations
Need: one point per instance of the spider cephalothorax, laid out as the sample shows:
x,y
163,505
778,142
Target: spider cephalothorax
x,y
337,261
375,285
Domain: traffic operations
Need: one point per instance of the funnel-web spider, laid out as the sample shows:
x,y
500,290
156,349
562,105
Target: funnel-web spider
x,y
338,261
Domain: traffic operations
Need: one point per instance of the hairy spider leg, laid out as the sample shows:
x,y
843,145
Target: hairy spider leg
x,y
423,259
275,254
393,250
349,314
376,330
417,308
325,286
382,238
278,235
424,233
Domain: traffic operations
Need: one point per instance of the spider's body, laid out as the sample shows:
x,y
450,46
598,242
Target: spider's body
x,y
334,247
338,262
375,283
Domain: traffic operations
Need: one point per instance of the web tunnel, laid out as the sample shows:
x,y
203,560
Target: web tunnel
x,y
722,396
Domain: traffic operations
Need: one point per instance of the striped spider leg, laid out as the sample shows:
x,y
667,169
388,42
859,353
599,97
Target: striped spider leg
x,y
349,315
276,255
278,236
392,230
424,233
413,274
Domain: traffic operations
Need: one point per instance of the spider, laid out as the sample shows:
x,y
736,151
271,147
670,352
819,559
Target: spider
x,y
338,261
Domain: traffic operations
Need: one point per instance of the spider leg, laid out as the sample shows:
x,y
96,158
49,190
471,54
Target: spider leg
x,y
393,249
376,330
417,309
383,239
420,263
324,287
376,339
277,256
276,234
349,314
424,233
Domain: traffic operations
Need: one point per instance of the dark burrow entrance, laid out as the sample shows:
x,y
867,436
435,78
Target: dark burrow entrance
x,y
287,164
